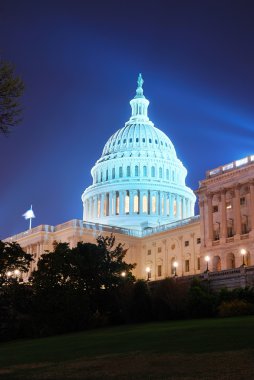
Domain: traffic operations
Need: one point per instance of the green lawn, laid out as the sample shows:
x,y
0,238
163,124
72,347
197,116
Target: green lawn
x,y
197,349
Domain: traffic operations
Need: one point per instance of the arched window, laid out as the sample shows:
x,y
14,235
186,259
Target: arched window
x,y
175,207
153,171
128,171
107,175
153,204
120,172
136,171
101,176
144,171
145,204
127,204
135,201
113,173
167,174
160,172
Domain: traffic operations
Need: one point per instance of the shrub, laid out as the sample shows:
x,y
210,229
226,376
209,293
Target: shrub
x,y
234,308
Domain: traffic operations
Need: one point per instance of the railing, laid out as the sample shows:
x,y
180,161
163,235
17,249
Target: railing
x,y
76,223
231,166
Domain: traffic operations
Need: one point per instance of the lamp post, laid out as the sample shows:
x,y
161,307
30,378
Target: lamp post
x,y
243,253
148,271
175,265
123,274
207,259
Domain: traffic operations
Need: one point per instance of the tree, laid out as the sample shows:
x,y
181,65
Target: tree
x,y
13,261
11,89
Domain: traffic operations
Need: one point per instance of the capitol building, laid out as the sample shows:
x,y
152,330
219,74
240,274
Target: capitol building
x,y
138,193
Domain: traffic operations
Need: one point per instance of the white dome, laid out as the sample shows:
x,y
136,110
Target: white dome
x,y
138,181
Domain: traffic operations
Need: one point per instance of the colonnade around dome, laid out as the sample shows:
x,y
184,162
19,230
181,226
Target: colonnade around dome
x,y
138,202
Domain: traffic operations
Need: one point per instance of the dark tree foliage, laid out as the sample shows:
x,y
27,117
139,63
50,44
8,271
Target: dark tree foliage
x,y
12,257
11,89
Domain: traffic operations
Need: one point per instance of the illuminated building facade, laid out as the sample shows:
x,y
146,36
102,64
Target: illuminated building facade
x,y
139,195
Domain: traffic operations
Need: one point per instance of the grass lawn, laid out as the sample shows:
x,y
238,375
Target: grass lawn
x,y
196,349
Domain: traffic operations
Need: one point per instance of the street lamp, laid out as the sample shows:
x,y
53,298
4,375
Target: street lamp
x,y
123,274
8,274
148,271
243,253
175,265
207,259
16,272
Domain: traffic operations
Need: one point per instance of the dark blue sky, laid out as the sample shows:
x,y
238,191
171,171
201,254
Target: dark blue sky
x,y
80,60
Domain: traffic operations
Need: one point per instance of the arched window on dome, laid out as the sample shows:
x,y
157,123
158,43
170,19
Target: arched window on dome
x,y
101,176
174,207
145,204
128,171
144,171
127,203
107,175
117,203
167,174
153,204
136,171
135,203
113,173
160,172
152,171
120,172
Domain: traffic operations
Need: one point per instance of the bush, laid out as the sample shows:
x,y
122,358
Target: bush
x,y
235,308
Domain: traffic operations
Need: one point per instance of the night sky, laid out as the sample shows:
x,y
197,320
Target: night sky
x,y
80,60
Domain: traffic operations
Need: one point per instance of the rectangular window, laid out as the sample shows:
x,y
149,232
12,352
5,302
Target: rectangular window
x,y
242,201
198,263
149,252
228,205
159,270
187,265
215,208
186,243
198,240
159,249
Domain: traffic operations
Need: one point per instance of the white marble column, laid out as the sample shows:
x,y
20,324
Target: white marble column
x,y
223,214
110,203
252,206
210,217
131,193
113,203
102,204
184,208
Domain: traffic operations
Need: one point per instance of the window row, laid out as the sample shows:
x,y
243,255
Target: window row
x,y
137,140
144,171
186,268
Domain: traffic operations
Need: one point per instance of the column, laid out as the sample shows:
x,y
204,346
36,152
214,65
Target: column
x,y
122,201
102,204
184,208
178,207
131,201
223,214
90,207
252,206
110,203
210,217
113,205
171,205
95,211
165,203
202,222
237,211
